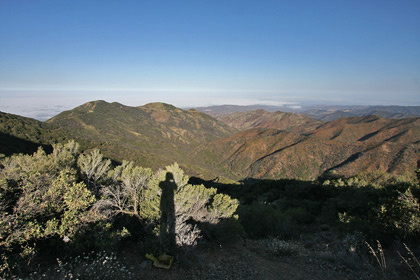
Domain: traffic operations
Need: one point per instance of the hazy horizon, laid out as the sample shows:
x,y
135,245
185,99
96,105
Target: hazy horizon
x,y
45,106
57,55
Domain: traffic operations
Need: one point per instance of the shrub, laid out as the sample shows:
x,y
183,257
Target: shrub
x,y
123,191
41,199
194,205
93,167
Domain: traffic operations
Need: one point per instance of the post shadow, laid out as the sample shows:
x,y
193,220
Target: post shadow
x,y
168,218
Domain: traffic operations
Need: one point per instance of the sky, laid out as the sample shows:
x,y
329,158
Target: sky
x,y
55,55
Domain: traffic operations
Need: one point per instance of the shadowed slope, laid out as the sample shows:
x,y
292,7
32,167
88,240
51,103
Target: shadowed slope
x,y
24,135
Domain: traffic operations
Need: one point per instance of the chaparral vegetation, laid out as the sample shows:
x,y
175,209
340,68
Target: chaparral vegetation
x,y
258,196
68,203
79,202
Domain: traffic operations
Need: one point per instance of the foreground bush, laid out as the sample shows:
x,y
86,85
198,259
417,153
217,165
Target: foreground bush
x,y
41,199
72,201
195,206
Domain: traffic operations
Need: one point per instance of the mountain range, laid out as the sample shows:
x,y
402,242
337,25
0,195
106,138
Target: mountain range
x,y
235,145
344,146
321,112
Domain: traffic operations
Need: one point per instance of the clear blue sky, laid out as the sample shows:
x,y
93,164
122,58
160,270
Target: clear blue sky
x,y
190,53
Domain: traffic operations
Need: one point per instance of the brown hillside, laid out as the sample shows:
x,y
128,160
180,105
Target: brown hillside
x,y
345,146
277,120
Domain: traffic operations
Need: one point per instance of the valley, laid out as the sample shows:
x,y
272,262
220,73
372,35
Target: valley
x,y
277,187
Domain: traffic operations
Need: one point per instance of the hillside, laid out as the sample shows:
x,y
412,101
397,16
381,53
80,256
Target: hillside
x,y
87,223
152,135
269,145
219,110
277,120
24,135
346,146
323,113
329,113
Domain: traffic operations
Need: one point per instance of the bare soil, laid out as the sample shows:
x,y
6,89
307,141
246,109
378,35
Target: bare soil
x,y
250,260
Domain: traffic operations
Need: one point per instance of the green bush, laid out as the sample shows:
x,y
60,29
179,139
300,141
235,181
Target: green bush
x,y
194,205
41,199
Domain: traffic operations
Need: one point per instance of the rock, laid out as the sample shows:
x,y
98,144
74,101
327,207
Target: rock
x,y
146,264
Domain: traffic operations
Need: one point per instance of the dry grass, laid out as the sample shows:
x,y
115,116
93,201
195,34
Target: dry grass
x,y
411,261
379,256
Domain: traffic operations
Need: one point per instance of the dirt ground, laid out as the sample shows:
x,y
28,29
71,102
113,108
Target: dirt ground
x,y
251,260
318,256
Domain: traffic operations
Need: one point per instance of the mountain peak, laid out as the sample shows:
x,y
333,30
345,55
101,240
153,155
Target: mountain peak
x,y
94,103
159,106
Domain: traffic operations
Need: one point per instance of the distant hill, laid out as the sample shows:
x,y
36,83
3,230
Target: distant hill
x,y
329,113
218,110
153,135
344,147
277,120
322,112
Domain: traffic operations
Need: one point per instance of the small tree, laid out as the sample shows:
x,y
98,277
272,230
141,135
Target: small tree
x,y
123,192
409,217
93,167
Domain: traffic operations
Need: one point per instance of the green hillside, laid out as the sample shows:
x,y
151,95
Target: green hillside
x,y
24,135
153,135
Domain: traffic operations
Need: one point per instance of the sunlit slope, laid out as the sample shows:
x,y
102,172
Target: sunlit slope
x,y
278,120
152,135
345,146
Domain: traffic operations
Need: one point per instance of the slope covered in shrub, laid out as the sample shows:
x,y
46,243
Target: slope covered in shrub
x,y
79,201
